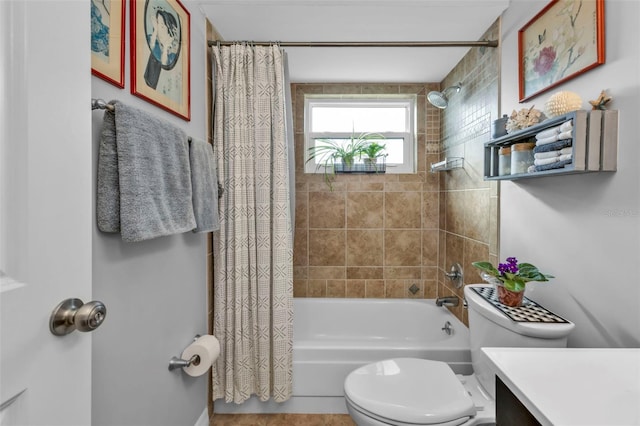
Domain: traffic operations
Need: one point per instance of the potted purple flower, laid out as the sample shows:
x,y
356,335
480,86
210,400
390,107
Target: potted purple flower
x,y
510,278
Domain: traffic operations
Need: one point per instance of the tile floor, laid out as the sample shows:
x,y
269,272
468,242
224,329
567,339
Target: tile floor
x,y
281,420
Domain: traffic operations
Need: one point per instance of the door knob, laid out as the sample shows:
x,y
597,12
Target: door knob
x,y
72,314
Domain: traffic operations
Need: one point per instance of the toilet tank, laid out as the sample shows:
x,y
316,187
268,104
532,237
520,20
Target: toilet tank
x,y
488,327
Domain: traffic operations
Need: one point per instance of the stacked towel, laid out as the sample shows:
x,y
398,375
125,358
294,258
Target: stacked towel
x,y
144,176
553,146
545,161
204,183
555,165
553,134
551,154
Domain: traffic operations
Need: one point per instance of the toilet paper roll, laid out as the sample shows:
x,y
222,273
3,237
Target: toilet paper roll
x,y
207,348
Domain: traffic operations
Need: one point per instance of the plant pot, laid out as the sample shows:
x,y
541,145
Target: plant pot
x,y
370,164
509,297
346,165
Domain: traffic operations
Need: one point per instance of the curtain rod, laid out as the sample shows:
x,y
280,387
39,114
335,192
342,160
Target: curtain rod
x,y
483,43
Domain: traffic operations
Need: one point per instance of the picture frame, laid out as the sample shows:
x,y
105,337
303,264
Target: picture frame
x,y
107,40
563,41
161,54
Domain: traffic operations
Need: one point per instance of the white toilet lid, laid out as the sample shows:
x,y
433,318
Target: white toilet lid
x,y
409,390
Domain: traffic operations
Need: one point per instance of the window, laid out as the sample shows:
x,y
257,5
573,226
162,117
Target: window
x,y
337,118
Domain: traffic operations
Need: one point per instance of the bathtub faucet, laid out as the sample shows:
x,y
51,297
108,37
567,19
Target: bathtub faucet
x,y
447,301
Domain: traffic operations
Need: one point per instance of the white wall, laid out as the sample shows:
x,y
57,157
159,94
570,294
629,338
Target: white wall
x,y
584,229
155,291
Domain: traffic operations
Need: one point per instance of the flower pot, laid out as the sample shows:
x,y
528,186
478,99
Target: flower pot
x,y
509,297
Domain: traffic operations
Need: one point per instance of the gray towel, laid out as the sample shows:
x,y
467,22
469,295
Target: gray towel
x,y
205,186
144,178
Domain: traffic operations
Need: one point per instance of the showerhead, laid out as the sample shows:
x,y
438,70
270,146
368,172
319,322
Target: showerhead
x,y
440,99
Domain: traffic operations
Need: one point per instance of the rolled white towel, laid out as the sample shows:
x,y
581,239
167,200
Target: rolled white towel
x,y
565,135
548,133
548,154
547,140
564,157
567,150
567,126
543,161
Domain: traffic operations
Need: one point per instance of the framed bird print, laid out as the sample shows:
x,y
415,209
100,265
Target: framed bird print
x,y
160,54
561,42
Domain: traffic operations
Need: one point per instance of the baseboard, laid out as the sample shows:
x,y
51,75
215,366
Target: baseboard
x,y
203,420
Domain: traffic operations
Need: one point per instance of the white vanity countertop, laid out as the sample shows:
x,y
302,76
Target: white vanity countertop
x,y
573,386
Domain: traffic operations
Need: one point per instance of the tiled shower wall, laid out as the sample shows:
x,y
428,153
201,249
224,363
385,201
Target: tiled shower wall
x,y
469,205
378,235
372,235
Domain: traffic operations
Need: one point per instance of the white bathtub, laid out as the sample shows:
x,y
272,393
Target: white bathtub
x,y
332,337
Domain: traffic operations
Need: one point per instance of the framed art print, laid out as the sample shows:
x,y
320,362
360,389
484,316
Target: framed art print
x,y
561,42
107,40
160,54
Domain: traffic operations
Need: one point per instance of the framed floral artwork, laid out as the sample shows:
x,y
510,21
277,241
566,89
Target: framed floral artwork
x,y
160,54
107,40
561,42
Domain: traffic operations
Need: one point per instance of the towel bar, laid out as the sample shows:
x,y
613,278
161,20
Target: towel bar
x,y
101,104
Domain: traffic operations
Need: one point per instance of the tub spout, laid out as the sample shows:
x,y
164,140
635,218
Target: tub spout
x,y
448,301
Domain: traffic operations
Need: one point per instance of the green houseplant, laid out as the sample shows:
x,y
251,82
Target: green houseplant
x,y
510,278
332,151
373,151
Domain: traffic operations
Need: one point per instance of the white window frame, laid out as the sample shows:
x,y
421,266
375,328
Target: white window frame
x,y
409,136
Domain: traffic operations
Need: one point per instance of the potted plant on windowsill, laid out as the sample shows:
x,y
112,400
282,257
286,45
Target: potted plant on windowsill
x,y
335,152
510,279
371,153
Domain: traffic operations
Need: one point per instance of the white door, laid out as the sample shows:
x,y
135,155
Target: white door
x,y
45,208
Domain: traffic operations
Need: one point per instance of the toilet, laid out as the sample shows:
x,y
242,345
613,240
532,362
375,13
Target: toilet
x,y
412,391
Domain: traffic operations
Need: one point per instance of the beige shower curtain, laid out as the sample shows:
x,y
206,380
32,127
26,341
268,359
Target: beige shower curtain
x,y
253,266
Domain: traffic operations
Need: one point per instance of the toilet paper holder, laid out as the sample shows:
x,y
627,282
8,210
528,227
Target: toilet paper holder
x,y
176,362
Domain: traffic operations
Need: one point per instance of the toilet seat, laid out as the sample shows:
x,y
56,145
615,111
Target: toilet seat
x,y
409,391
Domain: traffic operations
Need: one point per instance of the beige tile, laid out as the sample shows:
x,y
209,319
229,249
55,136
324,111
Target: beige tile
x,y
430,210
454,252
238,420
394,289
403,210
365,273
430,244
474,251
336,288
375,289
403,272
327,272
326,210
299,288
364,247
294,419
300,249
300,272
317,288
402,247
430,289
356,288
477,215
455,211
326,248
302,211
338,420
365,209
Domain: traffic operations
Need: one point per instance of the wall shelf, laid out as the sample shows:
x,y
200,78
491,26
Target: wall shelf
x,y
594,145
448,163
